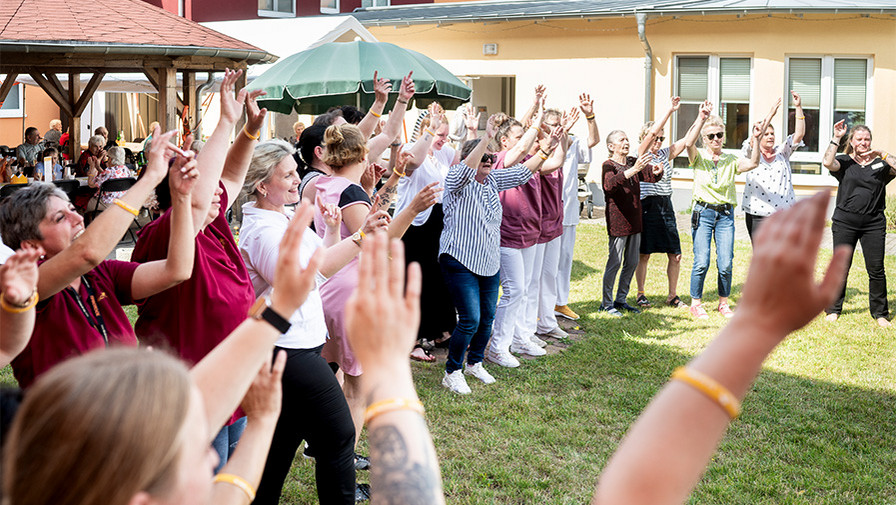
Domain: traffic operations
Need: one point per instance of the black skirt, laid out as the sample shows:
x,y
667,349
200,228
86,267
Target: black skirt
x,y
660,234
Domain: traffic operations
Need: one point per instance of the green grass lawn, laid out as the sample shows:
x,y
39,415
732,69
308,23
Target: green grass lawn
x,y
819,426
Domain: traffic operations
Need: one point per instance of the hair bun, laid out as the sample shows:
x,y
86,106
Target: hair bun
x,y
333,135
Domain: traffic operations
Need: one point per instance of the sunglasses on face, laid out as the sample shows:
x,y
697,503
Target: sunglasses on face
x,y
489,158
713,136
659,139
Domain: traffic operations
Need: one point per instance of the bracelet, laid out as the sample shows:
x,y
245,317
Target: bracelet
x,y
390,405
801,117
374,113
589,118
396,172
399,100
126,207
236,480
835,143
395,144
542,155
18,309
709,387
427,130
534,128
251,137
884,157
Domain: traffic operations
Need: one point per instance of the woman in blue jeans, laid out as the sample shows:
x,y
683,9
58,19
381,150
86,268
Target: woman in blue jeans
x,y
714,201
469,251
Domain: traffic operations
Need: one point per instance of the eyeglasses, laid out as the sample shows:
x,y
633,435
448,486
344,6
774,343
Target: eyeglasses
x,y
713,136
489,158
659,139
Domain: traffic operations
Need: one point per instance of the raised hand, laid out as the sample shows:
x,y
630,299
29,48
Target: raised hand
x,y
471,122
292,283
676,103
376,220
183,174
406,92
586,104
840,129
331,213
540,93
231,106
569,119
18,276
490,129
780,292
264,398
381,88
426,198
254,116
797,101
705,109
160,151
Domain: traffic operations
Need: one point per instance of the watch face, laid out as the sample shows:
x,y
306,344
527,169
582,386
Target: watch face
x,y
258,307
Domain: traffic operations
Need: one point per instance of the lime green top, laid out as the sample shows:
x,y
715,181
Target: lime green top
x,y
714,182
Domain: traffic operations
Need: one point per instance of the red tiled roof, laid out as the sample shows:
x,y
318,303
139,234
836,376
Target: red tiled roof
x,y
105,22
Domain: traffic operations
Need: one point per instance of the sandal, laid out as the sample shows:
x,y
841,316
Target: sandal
x,y
421,354
676,303
643,301
442,342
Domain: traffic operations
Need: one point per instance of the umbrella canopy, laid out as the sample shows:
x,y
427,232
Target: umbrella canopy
x,y
341,73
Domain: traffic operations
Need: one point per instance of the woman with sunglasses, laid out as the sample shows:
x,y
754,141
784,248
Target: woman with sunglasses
x,y
714,200
469,250
863,174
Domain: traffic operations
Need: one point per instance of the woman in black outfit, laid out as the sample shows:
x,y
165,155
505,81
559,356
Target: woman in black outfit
x,y
863,174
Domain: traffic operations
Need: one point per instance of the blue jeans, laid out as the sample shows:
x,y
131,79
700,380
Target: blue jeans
x,y
225,442
706,223
475,297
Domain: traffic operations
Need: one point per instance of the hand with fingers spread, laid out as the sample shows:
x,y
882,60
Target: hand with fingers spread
x,y
426,198
231,106
18,275
471,121
569,119
376,220
705,110
292,283
586,104
254,115
840,129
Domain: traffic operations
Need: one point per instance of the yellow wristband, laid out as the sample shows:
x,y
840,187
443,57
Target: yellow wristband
x,y
375,114
18,309
251,137
534,128
390,405
236,480
709,387
126,207
801,117
589,118
396,172
427,130
884,157
542,156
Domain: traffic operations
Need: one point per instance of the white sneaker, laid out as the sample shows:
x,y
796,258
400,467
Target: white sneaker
x,y
527,347
479,372
502,358
557,333
537,341
456,382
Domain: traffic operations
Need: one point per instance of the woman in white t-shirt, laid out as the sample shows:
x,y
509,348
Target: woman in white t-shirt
x,y
769,187
430,160
314,407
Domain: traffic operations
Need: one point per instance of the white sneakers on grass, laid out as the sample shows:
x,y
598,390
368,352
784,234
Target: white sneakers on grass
x,y
502,358
456,382
527,347
480,373
557,333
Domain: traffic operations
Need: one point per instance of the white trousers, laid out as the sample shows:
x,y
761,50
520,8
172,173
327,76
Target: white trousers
x,y
547,293
516,265
567,245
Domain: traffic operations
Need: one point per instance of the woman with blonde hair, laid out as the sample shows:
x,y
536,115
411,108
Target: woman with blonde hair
x,y
863,174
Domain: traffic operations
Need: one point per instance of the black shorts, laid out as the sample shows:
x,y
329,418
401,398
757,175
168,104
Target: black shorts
x,y
660,234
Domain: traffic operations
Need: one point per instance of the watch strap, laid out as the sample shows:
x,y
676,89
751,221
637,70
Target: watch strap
x,y
276,320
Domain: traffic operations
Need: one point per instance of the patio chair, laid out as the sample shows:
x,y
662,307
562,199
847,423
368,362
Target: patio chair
x,y
111,186
69,187
11,188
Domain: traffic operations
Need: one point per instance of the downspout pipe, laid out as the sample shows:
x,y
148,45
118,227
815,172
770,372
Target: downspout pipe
x,y
199,91
641,18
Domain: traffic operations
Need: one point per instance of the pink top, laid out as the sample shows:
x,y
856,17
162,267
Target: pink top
x,y
551,206
119,172
196,315
521,221
61,329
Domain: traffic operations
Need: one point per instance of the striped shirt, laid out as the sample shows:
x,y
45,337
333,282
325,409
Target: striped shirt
x,y
472,233
664,186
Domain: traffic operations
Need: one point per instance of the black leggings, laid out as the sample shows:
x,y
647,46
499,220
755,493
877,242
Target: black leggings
x,y
871,231
314,409
753,222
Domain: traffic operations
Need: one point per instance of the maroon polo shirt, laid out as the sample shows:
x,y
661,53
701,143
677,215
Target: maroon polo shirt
x,y
521,219
196,315
551,206
623,197
61,329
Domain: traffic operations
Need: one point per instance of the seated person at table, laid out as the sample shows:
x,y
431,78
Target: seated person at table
x,y
96,176
53,172
30,150
94,150
53,134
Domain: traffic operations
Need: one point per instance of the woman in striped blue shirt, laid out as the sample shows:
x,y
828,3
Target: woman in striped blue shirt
x,y
469,251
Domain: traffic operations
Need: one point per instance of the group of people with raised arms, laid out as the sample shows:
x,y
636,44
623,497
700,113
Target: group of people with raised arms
x,y
119,424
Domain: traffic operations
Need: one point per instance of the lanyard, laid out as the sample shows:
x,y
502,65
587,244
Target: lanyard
x,y
97,321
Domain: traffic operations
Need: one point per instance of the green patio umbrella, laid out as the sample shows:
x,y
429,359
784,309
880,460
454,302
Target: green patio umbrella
x,y
341,73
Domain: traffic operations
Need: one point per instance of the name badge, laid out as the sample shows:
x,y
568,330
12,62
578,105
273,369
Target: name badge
x,y
877,165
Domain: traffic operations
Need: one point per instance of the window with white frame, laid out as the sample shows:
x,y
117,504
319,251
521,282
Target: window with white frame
x,y
724,81
329,6
14,105
277,8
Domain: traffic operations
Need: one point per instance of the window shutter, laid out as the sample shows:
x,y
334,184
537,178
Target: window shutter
x,y
805,79
693,80
850,78
734,79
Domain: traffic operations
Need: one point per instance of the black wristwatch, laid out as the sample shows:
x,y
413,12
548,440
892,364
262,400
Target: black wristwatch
x,y
262,310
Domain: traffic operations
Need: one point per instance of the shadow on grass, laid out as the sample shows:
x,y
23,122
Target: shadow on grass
x,y
581,270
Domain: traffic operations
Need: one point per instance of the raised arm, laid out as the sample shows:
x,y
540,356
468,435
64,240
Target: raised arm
x,y
18,296
551,151
104,233
690,139
540,96
658,126
381,89
586,104
516,153
382,317
224,375
672,441
471,122
392,129
830,154
156,276
425,139
747,164
799,128
240,154
424,199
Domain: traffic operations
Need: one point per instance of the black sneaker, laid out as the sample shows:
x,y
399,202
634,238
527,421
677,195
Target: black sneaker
x,y
361,462
362,492
627,307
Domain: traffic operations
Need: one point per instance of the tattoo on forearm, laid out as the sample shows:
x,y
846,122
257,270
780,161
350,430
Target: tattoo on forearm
x,y
395,479
386,195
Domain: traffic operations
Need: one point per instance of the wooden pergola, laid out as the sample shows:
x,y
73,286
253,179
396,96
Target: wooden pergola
x,y
135,47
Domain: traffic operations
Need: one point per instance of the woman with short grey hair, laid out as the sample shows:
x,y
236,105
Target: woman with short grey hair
x,y
94,150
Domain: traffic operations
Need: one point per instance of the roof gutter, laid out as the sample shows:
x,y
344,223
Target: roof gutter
x,y
252,56
641,18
